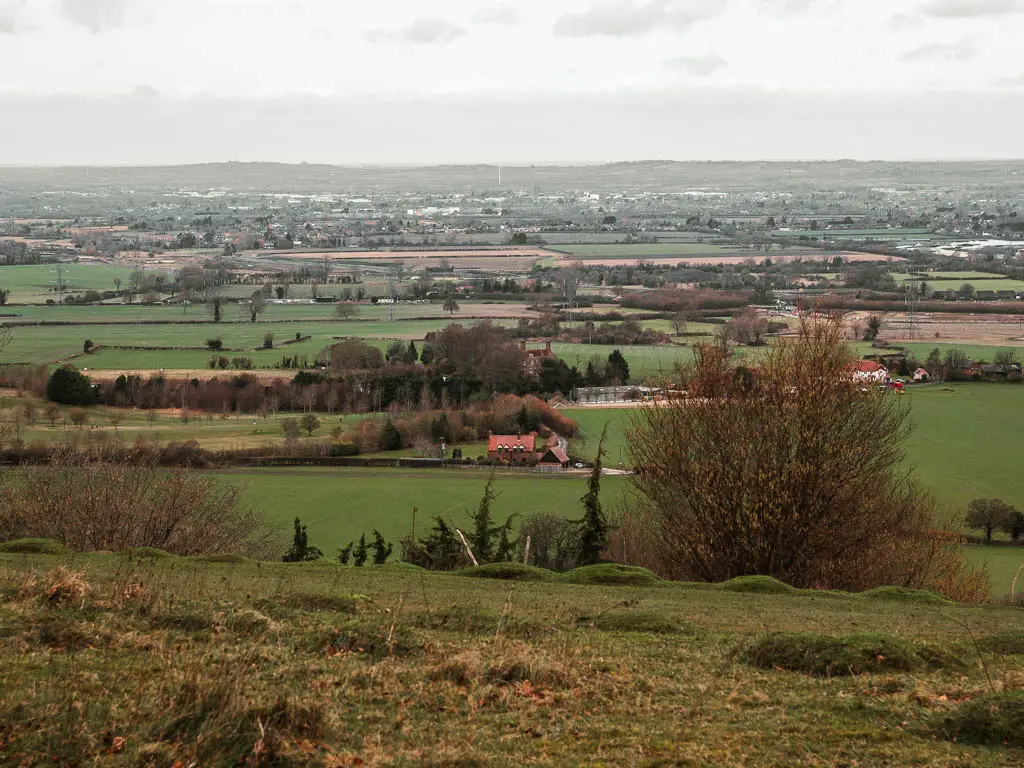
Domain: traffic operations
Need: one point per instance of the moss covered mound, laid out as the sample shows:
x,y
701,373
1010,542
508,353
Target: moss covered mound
x,y
612,574
34,547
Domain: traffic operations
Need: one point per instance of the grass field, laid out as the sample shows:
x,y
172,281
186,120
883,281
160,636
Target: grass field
x,y
37,283
961,277
962,446
176,661
340,504
1002,563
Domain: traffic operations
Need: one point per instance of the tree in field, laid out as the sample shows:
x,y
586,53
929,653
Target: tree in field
x,y
934,364
115,417
679,322
69,386
6,334
51,412
988,515
794,472
301,551
310,423
381,549
1014,525
954,363
451,306
481,540
4,293
214,303
361,552
593,526
412,354
618,368
255,305
345,311
966,292
874,328
1006,359
291,429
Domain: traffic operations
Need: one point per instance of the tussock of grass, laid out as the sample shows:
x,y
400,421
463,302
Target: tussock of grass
x,y
826,656
762,585
612,574
637,621
147,553
993,720
34,547
57,587
902,594
248,621
182,621
508,571
376,641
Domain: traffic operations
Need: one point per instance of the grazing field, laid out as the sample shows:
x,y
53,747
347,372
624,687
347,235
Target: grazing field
x,y
644,361
32,283
963,445
340,504
177,661
1002,563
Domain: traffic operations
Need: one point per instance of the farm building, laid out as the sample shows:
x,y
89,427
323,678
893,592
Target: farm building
x,y
554,457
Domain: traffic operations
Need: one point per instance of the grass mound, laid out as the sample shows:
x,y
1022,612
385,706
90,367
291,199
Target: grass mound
x,y
826,656
470,619
904,595
34,547
762,585
376,641
637,621
1005,644
147,553
994,720
232,559
612,574
507,571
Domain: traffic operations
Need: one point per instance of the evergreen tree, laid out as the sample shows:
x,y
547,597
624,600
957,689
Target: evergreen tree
x,y
440,551
300,551
381,548
361,553
390,437
344,555
618,368
412,354
593,527
482,529
505,549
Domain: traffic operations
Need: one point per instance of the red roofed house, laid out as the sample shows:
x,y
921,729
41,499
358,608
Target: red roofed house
x,y
515,449
870,371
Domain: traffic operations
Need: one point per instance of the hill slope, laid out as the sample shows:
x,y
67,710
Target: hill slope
x,y
120,661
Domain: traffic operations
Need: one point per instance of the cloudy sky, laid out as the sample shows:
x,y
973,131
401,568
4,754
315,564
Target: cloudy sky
x,y
394,81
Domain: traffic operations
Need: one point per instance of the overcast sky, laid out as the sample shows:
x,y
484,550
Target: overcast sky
x,y
393,81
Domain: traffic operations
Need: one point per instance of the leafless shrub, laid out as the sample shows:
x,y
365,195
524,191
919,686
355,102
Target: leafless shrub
x,y
90,504
792,470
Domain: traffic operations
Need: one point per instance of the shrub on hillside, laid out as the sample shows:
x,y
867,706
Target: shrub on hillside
x,y
793,470
90,505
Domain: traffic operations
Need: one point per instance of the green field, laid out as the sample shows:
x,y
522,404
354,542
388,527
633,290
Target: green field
x,y
961,277
863,234
340,504
1002,562
34,283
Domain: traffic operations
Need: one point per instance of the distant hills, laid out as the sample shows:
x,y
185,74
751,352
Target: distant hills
x,y
649,175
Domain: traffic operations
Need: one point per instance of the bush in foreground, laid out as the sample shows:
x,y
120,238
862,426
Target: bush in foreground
x,y
91,505
995,720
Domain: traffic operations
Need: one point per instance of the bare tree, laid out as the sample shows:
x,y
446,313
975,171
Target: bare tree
x,y
791,471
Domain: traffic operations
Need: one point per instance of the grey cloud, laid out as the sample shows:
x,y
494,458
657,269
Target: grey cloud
x,y
698,65
618,125
626,18
421,31
961,51
95,15
13,19
965,9
503,13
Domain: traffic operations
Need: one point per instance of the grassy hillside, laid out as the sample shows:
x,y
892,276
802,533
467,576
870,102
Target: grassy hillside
x,y
169,661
